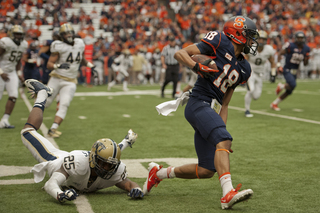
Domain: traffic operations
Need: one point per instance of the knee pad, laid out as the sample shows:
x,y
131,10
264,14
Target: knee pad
x,y
13,99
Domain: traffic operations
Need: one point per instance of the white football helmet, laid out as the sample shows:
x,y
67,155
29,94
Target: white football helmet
x,y
105,158
16,33
263,37
66,33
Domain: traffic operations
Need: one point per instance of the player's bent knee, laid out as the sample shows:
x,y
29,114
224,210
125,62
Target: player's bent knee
x,y
289,92
205,173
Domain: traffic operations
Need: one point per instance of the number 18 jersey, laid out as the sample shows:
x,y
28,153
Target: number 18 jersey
x,y
68,54
232,71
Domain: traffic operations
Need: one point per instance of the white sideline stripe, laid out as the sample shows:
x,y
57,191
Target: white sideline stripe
x,y
17,181
82,203
276,115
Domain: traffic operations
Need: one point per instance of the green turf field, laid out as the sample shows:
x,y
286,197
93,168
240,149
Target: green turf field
x,y
276,154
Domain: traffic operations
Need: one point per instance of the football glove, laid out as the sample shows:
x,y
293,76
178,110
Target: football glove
x,y
64,66
203,70
136,193
131,137
69,195
94,72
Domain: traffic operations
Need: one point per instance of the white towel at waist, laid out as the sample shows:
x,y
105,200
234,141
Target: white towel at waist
x,y
167,107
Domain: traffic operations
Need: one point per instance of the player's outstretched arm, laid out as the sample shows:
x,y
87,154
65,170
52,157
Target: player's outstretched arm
x,y
52,186
129,140
132,187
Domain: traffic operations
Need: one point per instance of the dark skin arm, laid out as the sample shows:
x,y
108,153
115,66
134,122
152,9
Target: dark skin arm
x,y
127,185
225,103
52,60
183,55
4,76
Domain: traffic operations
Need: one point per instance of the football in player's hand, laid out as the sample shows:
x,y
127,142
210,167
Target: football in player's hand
x,y
200,58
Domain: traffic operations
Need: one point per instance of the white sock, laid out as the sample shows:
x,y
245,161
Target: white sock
x,y
5,117
226,183
178,89
277,101
166,173
282,86
54,126
41,99
247,101
125,85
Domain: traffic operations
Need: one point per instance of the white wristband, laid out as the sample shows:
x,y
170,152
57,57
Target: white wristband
x,y
278,64
1,71
90,65
19,72
56,66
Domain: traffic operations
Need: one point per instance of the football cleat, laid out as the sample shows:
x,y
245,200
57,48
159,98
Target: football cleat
x,y
54,133
248,114
234,197
274,107
152,179
131,137
279,88
35,86
5,125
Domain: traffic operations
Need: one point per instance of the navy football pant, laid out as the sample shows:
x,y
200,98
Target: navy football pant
x,y
209,130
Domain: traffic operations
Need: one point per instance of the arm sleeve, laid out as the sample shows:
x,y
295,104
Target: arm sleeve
x,y
44,56
52,186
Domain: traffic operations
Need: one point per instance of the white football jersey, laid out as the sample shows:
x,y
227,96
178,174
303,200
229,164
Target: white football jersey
x,y
69,54
257,61
315,52
12,55
77,166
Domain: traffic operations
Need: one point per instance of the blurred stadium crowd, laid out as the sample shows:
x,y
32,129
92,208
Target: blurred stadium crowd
x,y
112,27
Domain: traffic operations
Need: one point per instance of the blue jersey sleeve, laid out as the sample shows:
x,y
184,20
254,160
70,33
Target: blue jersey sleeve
x,y
210,43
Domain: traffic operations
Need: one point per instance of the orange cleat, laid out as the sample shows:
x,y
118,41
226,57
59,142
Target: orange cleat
x,y
234,197
274,107
152,179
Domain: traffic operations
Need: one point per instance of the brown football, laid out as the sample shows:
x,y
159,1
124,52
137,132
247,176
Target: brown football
x,y
199,58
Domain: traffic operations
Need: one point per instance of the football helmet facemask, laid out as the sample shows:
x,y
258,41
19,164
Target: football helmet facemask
x,y
67,34
16,33
263,37
242,30
299,38
105,158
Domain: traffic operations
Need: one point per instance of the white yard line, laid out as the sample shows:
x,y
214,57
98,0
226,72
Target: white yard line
x,y
276,115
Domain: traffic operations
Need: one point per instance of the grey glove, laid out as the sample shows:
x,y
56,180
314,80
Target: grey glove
x,y
64,66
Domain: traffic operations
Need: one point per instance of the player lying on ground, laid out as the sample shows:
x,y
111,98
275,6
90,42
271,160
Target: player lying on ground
x,y
77,171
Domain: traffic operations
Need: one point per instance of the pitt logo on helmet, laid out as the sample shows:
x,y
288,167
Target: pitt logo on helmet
x,y
16,33
66,33
104,158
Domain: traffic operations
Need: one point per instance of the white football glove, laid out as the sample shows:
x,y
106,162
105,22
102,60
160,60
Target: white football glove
x,y
131,137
